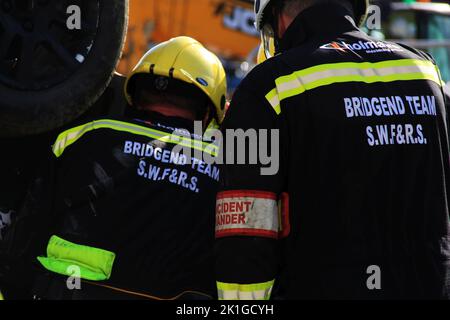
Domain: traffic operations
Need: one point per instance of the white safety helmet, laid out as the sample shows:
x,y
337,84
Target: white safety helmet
x,y
264,18
265,29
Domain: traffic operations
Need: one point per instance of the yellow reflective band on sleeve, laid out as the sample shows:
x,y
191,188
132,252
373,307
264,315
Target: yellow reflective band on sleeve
x,y
367,72
69,137
234,291
1,296
274,100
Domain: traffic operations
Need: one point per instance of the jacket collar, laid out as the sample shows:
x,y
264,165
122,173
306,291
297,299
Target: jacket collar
x,y
322,20
159,120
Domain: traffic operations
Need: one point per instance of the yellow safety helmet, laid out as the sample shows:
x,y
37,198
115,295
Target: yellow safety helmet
x,y
186,59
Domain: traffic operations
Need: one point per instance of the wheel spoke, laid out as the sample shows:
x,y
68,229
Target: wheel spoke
x,y
24,67
54,14
88,28
25,5
63,54
9,24
5,43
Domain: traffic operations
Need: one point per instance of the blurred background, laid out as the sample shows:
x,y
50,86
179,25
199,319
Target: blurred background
x,y
223,26
226,28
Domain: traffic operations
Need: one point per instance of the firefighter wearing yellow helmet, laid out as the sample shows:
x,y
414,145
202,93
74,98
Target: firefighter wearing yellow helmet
x,y
186,60
133,196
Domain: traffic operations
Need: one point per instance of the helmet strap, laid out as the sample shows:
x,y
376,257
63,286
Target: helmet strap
x,y
277,9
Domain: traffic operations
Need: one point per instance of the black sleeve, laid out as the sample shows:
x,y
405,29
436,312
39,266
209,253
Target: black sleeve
x,y
447,107
246,257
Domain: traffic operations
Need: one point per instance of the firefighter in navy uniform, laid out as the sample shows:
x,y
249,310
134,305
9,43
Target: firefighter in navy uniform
x,y
132,212
359,206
